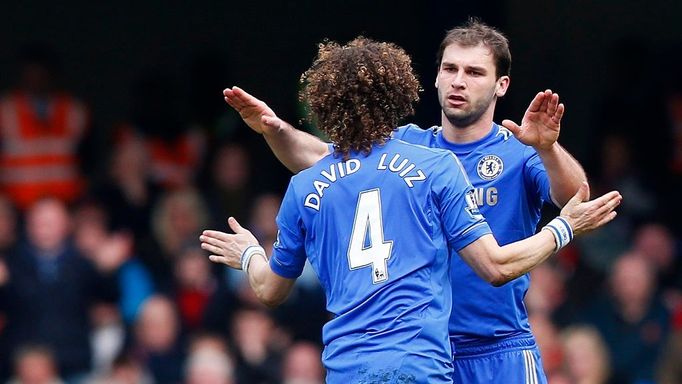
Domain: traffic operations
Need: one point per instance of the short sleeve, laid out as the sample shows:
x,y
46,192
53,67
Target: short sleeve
x,y
462,221
535,176
288,256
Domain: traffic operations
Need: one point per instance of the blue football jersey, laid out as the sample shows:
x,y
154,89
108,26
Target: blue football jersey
x,y
511,185
378,230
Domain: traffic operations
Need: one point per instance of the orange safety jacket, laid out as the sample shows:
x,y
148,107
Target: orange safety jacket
x,y
172,162
38,158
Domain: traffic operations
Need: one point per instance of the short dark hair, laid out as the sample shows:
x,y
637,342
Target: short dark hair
x,y
358,93
475,32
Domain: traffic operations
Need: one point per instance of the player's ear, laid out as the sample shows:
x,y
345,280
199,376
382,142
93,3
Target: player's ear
x,y
502,85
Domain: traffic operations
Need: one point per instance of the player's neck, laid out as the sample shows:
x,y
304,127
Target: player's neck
x,y
467,134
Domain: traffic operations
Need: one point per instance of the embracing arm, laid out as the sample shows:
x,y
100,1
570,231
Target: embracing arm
x,y
540,129
229,249
296,149
270,288
498,265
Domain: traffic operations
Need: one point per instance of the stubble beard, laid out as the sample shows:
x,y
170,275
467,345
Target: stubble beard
x,y
465,118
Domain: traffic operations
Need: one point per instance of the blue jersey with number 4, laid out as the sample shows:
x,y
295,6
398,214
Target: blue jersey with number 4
x,y
377,230
511,186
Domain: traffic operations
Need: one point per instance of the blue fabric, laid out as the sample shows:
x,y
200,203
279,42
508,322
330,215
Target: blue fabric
x,y
512,361
377,230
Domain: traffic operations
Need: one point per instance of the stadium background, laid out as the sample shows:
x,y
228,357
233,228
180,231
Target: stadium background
x,y
614,63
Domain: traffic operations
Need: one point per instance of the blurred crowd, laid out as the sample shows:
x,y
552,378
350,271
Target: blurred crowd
x,y
102,279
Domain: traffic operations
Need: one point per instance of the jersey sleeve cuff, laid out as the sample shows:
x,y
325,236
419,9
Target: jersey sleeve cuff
x,y
288,272
470,235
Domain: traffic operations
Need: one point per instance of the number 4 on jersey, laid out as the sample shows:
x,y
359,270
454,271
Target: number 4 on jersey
x,y
367,246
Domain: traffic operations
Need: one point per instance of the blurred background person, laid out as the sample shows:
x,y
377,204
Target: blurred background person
x,y
632,320
41,129
586,357
208,361
157,342
302,364
50,290
35,364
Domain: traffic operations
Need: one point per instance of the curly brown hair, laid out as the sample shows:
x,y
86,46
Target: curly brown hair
x,y
358,93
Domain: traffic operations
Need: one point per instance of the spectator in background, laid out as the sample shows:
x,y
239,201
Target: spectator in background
x,y
208,361
128,194
124,370
34,364
41,128
177,219
175,150
257,350
194,286
657,244
632,320
586,357
302,364
546,336
230,191
157,343
94,240
50,290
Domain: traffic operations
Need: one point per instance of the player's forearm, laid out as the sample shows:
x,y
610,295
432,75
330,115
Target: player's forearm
x,y
518,258
564,172
269,288
499,265
294,148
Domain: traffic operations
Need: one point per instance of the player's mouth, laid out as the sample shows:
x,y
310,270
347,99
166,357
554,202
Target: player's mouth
x,y
456,100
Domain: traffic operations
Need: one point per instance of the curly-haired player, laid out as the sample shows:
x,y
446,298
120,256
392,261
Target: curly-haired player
x,y
378,220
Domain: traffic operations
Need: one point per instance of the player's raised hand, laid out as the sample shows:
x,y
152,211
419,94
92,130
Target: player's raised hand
x,y
585,216
226,248
255,113
541,123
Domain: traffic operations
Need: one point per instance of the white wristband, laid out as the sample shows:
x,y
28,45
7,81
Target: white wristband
x,y
248,253
562,231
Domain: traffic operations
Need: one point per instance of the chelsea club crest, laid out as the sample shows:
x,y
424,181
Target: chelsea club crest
x,y
489,167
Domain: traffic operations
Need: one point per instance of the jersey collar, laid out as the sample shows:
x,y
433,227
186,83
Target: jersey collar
x,y
466,148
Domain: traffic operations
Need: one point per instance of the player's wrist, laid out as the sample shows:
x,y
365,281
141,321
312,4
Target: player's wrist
x,y
562,231
548,150
248,254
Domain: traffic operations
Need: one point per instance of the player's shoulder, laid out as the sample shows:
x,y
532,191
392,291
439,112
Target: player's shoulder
x,y
420,149
413,132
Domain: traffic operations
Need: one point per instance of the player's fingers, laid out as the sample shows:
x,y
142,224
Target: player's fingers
x,y
213,241
612,215
559,113
545,101
236,227
211,248
246,98
512,126
218,259
218,235
536,102
609,204
553,104
230,102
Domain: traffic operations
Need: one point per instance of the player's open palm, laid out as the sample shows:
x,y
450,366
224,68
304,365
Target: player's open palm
x,y
255,113
585,216
226,248
541,123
